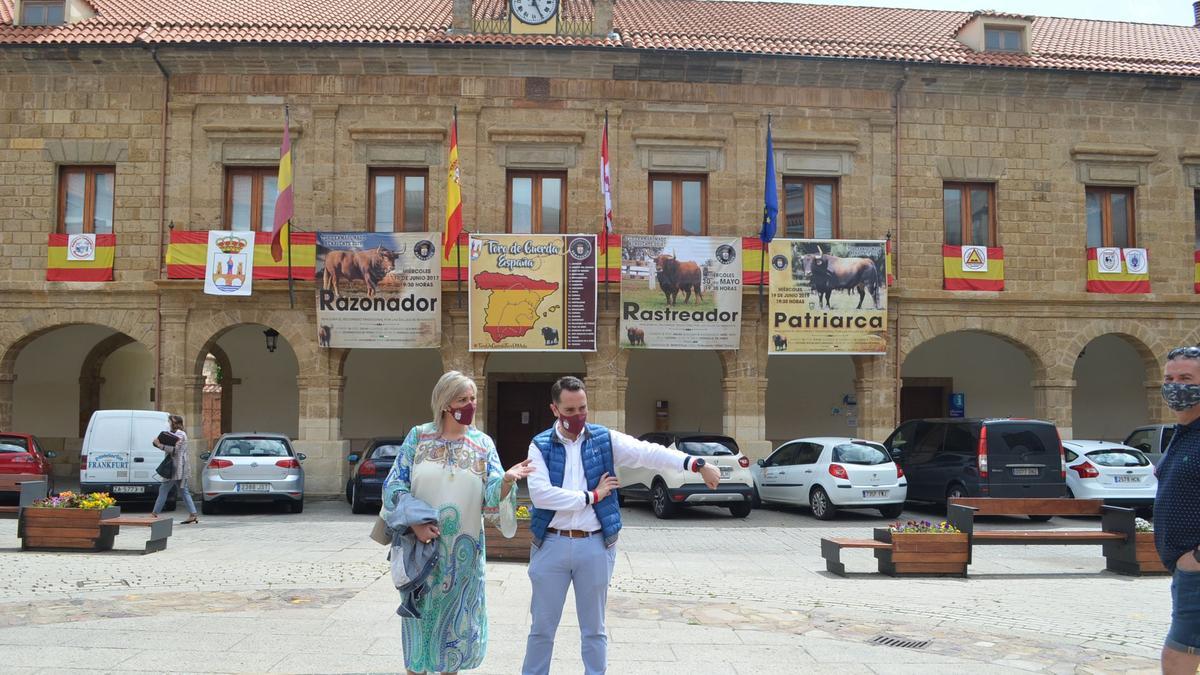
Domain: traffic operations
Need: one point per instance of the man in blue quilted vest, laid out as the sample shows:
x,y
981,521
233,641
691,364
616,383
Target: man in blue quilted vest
x,y
576,519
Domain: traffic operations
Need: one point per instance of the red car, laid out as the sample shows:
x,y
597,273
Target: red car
x,y
22,459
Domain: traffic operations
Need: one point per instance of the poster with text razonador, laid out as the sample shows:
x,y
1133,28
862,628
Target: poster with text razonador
x,y
680,292
379,290
828,296
530,292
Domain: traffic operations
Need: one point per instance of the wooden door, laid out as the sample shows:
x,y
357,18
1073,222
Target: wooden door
x,y
522,412
921,402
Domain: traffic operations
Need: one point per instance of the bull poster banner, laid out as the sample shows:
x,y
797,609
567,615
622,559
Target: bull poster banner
x,y
828,296
379,290
681,292
532,292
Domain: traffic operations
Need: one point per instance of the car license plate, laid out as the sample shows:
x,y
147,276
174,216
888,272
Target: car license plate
x,y
1127,479
867,494
129,489
254,487
1025,471
726,471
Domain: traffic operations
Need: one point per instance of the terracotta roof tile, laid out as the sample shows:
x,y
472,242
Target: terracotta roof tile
x,y
830,31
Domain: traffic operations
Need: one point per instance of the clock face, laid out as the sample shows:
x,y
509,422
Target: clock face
x,y
534,12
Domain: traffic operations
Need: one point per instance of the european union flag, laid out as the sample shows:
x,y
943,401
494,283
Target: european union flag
x,y
770,195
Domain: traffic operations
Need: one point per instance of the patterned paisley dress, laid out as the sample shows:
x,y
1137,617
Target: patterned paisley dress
x,y
460,479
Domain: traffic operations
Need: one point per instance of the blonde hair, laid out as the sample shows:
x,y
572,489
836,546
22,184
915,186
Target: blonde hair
x,y
449,387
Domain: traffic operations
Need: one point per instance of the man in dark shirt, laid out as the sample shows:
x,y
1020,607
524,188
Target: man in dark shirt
x,y
1177,512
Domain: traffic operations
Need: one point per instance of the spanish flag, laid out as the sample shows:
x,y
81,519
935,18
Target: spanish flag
x,y
1196,281
608,267
752,262
973,273
454,266
284,200
1120,281
59,266
888,261
188,249
454,223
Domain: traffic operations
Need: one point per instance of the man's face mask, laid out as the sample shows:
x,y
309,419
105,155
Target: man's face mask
x,y
573,424
1181,396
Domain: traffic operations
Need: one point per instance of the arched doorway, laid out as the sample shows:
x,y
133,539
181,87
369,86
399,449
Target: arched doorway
x,y
685,385
386,392
1109,399
810,396
64,374
264,396
518,396
993,375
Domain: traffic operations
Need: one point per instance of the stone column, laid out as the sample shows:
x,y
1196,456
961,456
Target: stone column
x,y
191,397
875,391
1052,402
6,400
320,433
470,165
605,384
322,154
746,167
175,369
1157,411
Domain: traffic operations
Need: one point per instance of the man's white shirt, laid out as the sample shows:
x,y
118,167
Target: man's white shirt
x,y
570,502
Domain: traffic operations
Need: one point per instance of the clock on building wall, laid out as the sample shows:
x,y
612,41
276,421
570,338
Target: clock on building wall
x,y
534,16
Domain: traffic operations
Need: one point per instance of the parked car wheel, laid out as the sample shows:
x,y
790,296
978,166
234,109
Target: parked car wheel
x,y
822,508
349,491
955,491
620,499
756,500
356,505
208,508
298,506
740,510
892,511
661,501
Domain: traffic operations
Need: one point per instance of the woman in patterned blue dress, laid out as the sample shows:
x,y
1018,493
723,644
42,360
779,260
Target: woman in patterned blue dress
x,y
453,467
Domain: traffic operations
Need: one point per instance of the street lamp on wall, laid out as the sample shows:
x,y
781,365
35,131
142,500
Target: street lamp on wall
x,y
272,336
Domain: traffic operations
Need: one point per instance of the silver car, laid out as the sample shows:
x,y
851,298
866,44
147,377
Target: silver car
x,y
252,468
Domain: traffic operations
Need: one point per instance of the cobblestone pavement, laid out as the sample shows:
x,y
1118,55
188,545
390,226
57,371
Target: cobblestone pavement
x,y
260,591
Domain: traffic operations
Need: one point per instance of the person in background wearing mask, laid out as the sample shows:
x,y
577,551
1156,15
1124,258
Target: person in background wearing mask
x,y
576,519
453,467
1177,512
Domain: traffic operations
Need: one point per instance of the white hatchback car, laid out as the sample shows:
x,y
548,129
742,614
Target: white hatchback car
x,y
667,491
829,473
1116,473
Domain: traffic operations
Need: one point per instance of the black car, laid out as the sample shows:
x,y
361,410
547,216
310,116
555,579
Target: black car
x,y
364,490
957,457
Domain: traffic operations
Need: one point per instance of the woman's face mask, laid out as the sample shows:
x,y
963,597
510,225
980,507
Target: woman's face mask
x,y
464,415
1181,396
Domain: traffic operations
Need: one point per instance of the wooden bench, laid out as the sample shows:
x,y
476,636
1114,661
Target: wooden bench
x,y
31,491
1116,525
831,551
160,529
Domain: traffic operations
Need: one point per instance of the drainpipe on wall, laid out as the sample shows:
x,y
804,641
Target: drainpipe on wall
x,y
162,219
896,209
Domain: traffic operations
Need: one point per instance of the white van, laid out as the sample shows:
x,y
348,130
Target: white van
x,y
117,455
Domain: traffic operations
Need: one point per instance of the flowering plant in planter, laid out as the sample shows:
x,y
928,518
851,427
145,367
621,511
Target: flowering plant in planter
x,y
96,501
522,513
923,527
1143,525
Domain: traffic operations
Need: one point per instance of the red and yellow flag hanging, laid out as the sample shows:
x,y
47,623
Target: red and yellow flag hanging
x,y
81,257
284,200
1196,280
188,250
605,188
752,262
454,223
888,261
973,268
1116,270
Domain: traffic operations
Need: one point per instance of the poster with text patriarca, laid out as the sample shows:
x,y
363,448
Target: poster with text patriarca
x,y
681,292
827,296
532,292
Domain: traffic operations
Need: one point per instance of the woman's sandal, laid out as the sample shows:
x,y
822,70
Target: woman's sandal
x,y
189,521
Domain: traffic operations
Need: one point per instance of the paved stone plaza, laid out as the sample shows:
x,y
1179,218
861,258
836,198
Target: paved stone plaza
x,y
260,591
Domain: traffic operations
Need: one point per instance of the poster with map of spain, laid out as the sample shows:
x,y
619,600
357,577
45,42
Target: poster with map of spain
x,y
532,292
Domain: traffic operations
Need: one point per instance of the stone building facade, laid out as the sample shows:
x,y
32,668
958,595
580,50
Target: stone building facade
x,y
172,118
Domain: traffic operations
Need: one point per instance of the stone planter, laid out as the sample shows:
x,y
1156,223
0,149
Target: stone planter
x,y
510,550
1136,558
45,529
922,553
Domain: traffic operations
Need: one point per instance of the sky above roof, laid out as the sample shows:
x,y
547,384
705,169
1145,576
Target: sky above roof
x,y
1177,12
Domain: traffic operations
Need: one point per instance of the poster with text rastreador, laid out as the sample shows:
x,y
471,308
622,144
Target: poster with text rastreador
x,y
681,292
531,292
828,296
379,290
